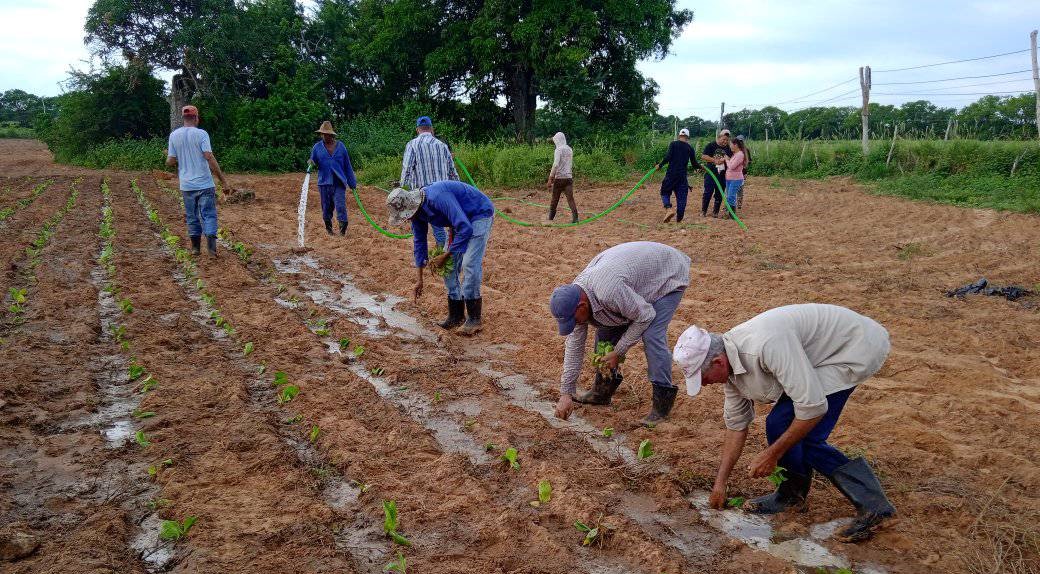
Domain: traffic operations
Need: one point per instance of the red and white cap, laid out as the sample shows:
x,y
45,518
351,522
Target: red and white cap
x,y
690,351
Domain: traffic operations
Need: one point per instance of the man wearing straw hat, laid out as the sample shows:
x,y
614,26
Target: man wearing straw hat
x,y
806,360
335,174
469,213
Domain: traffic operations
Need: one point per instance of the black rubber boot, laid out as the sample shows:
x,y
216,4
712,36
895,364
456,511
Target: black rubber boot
x,y
858,483
342,227
663,400
790,495
328,227
472,326
574,217
211,245
196,244
603,389
456,314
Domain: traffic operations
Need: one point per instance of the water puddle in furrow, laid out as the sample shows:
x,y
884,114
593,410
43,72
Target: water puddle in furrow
x,y
119,399
689,540
365,544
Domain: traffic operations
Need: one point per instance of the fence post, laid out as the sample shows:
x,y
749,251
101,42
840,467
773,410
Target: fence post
x,y
864,86
895,132
722,115
1036,79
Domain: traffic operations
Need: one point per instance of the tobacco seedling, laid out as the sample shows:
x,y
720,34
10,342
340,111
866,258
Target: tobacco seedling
x,y
344,344
777,476
288,393
321,328
488,447
126,306
155,468
142,439
391,523
358,351
646,450
608,432
261,369
603,348
544,491
248,349
400,565
377,372
315,431
735,502
436,396
157,503
139,414
134,371
173,530
293,419
148,384
510,457
280,378
594,533
449,263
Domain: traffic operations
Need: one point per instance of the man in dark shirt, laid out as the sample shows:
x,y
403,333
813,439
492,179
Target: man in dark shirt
x,y
716,153
679,154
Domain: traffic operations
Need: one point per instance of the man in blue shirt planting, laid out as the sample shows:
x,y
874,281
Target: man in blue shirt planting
x,y
468,214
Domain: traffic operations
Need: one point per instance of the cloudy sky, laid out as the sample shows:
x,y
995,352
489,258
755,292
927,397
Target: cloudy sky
x,y
744,52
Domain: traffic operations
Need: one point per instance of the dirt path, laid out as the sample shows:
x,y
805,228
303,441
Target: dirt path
x,y
390,409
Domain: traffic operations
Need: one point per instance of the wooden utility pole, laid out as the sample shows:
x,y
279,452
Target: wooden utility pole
x,y
1036,79
722,115
864,86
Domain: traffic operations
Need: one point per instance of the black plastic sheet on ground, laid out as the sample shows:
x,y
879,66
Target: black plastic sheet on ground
x,y
1011,292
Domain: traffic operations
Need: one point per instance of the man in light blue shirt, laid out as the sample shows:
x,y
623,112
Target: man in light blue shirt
x,y
189,149
427,160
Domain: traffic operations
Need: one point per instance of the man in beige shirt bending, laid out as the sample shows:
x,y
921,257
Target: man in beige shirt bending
x,y
806,360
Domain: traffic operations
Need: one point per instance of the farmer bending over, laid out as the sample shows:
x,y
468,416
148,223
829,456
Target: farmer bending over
x,y
628,292
469,213
189,149
427,160
335,175
807,360
561,180
678,155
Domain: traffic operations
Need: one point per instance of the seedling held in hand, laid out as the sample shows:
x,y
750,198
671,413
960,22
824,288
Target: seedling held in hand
x,y
603,348
777,476
449,263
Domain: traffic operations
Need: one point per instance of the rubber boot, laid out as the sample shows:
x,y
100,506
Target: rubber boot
x,y
196,244
858,483
663,400
211,245
472,326
574,217
342,227
603,389
790,495
456,314
328,227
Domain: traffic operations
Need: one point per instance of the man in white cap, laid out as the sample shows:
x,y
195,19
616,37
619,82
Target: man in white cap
x,y
678,155
806,360
629,293
469,214
715,153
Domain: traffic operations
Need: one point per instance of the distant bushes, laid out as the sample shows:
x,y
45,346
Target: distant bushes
x,y
16,132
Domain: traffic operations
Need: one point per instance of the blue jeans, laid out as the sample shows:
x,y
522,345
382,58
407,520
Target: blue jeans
x,y
470,264
812,452
733,187
334,195
439,235
200,211
655,339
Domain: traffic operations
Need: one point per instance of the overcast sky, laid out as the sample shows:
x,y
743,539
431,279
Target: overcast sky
x,y
744,52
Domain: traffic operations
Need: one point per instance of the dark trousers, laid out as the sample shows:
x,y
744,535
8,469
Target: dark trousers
x,y
711,189
655,339
812,452
563,187
681,187
333,196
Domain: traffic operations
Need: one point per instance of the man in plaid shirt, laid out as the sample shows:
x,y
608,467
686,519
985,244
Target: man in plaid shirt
x,y
427,160
628,292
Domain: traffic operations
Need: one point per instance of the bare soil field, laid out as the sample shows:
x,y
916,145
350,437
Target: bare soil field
x,y
141,385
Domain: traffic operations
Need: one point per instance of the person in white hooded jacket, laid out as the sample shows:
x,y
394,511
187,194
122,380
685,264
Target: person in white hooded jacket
x,y
561,178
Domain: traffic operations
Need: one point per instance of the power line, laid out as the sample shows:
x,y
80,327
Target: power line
x,y
952,79
951,62
800,98
952,94
959,86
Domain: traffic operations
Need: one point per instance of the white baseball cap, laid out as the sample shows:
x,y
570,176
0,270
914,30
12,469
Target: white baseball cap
x,y
684,132
690,351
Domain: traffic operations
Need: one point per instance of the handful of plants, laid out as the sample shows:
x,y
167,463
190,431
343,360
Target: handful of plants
x,y
603,348
449,263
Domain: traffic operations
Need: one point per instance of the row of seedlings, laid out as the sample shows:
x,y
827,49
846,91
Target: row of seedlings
x,y
10,210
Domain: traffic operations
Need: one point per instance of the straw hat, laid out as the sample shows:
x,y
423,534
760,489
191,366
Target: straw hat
x,y
326,128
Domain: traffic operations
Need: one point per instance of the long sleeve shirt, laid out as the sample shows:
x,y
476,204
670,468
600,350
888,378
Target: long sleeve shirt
x,y
678,155
448,204
334,168
806,351
426,160
622,284
735,166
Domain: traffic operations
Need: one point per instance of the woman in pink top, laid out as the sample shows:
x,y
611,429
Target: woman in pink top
x,y
735,171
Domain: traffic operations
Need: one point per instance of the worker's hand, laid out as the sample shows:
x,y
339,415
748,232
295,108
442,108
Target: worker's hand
x,y
763,464
418,289
310,166
437,263
226,190
564,407
549,183
610,360
717,500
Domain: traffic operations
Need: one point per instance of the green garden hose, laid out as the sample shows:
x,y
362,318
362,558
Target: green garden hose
x,y
373,223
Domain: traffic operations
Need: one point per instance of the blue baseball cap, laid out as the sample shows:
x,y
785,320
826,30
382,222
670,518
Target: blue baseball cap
x,y
424,122
563,303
